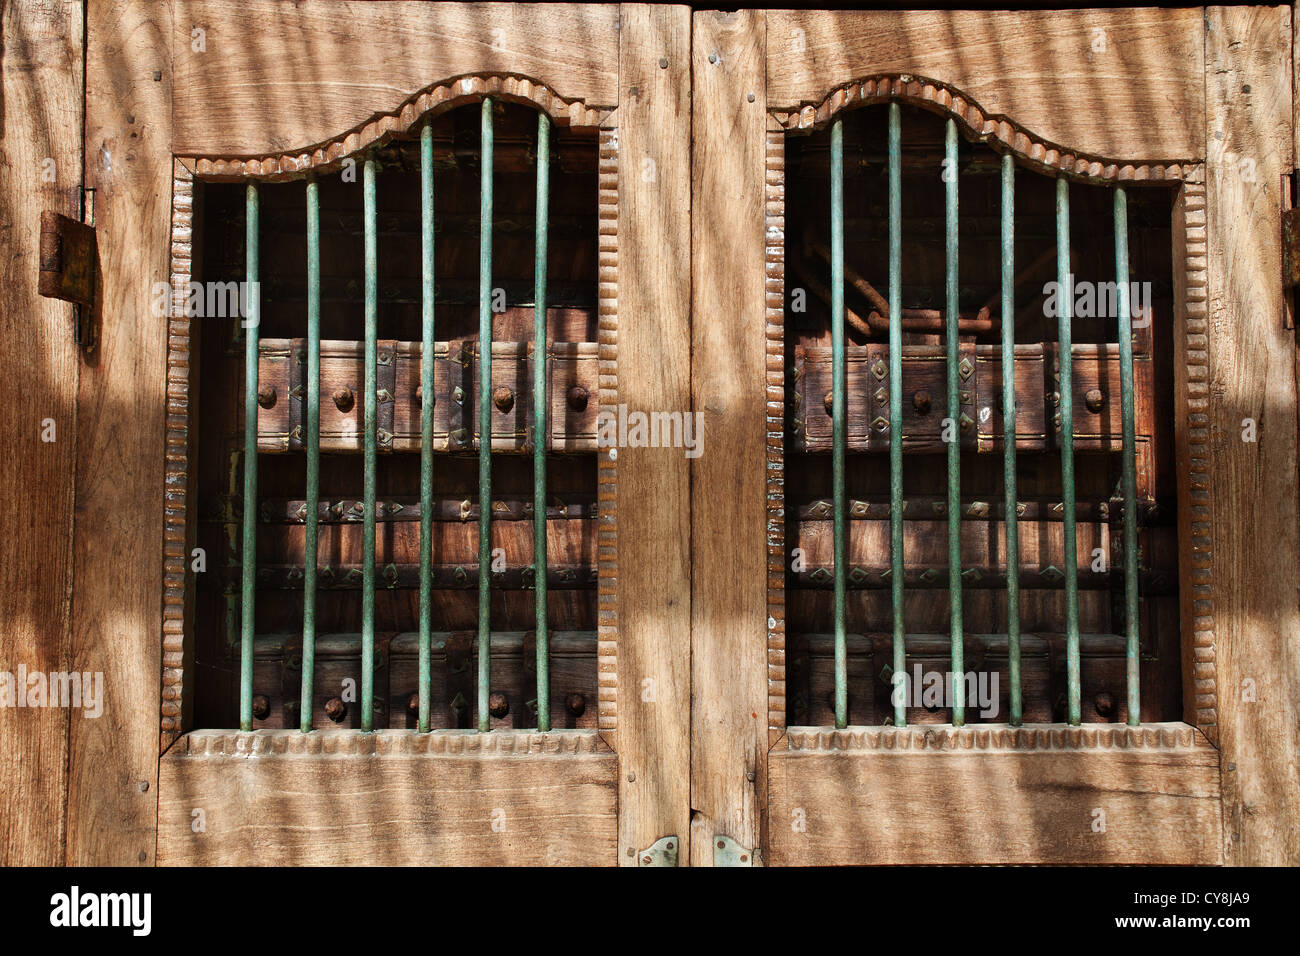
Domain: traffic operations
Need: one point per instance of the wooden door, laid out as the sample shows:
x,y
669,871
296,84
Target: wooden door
x,y
701,728
194,102
1121,102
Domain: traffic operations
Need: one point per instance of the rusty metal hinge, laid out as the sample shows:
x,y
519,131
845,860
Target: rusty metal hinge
x,y
663,852
69,261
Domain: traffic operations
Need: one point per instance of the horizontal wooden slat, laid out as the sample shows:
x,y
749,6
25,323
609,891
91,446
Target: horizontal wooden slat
x,y
1095,368
994,795
339,798
282,375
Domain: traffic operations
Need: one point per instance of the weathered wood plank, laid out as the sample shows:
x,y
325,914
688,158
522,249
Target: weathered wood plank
x,y
1253,483
41,73
392,798
728,385
990,795
572,387
1122,84
272,77
652,264
121,409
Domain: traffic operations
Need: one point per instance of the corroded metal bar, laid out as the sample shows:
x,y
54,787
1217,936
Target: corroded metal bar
x,y
539,418
839,422
896,400
371,401
953,424
1129,465
311,537
1064,299
485,414
1009,433
426,423
248,550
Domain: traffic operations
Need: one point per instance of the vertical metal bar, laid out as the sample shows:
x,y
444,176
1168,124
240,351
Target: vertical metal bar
x,y
248,551
371,404
310,550
1009,430
1065,388
954,424
485,414
838,429
428,399
1129,456
896,400
540,434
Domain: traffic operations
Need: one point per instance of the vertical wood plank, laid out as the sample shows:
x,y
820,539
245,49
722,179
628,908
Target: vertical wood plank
x,y
118,539
653,496
1252,374
41,76
728,380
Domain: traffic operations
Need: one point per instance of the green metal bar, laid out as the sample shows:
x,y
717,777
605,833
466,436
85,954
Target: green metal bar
x,y
426,425
485,415
313,456
1064,299
1129,457
838,423
954,416
371,403
248,552
896,398
1009,430
540,432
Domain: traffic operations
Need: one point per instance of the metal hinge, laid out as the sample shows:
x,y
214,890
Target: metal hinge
x,y
663,852
727,852
69,261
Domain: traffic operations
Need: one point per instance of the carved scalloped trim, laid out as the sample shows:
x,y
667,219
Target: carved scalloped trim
x,y
430,101
1200,576
607,468
233,743
942,737
176,458
985,127
774,307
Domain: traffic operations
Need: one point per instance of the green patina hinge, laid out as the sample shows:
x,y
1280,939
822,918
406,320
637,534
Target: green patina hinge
x,y
727,852
663,852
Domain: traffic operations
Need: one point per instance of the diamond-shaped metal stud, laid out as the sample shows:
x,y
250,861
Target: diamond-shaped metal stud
x,y
929,575
880,424
964,368
859,509
820,510
979,509
879,369
966,422
881,396
820,576
1052,574
857,575
971,575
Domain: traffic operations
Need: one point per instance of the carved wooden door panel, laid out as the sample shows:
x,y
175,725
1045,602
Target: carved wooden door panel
x,y
398,569
914,248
